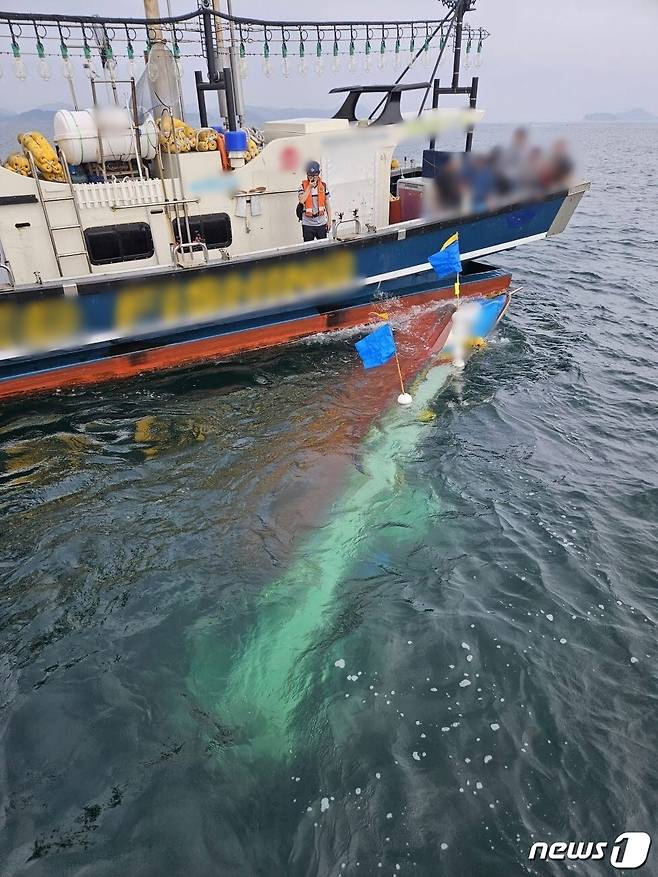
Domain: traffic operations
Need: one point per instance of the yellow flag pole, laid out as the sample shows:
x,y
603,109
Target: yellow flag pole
x,y
397,362
453,239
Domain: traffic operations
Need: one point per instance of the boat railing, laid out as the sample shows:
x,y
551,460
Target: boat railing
x,y
353,220
7,278
182,250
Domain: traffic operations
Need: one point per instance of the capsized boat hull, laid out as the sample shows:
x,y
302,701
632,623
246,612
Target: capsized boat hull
x,y
257,688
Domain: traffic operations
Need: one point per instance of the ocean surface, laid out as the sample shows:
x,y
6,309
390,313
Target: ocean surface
x,y
238,639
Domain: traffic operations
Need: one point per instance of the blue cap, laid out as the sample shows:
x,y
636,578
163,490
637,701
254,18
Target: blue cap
x,y
313,167
236,141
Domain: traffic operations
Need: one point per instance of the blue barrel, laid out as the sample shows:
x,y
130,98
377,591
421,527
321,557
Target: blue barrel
x,y
236,141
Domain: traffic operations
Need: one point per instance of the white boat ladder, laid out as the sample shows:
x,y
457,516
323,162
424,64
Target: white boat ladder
x,y
74,222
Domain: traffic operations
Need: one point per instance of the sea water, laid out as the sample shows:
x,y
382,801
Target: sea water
x,y
232,646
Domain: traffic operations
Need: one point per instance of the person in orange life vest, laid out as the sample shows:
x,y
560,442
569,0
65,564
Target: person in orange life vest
x,y
313,196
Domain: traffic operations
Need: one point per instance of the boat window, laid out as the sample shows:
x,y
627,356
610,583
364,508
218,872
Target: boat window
x,y
119,243
214,229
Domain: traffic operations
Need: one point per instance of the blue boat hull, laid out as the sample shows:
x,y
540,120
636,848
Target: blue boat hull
x,y
238,304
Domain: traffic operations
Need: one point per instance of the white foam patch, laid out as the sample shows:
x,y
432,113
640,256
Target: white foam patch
x,y
487,758
415,756
340,663
494,726
444,846
464,683
324,805
466,646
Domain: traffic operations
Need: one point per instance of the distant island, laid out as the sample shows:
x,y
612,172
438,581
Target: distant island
x,y
637,115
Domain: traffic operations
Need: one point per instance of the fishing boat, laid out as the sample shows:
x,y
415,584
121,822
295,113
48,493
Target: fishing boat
x,y
136,241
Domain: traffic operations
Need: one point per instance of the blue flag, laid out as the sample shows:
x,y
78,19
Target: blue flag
x,y
377,348
447,260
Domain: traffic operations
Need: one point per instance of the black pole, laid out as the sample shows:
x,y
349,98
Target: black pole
x,y
473,103
461,9
435,104
213,75
230,100
201,98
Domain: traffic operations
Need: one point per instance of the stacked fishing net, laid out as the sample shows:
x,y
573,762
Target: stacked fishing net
x,y
43,153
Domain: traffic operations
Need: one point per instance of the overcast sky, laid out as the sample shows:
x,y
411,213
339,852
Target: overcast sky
x,y
547,60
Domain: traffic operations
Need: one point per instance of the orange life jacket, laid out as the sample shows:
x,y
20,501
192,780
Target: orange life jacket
x,y
322,198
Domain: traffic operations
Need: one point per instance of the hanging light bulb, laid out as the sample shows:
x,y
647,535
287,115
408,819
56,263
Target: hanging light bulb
x,y
469,45
366,65
284,56
90,73
109,61
43,66
351,64
478,54
179,64
412,46
382,53
67,67
319,60
20,70
131,61
242,64
267,66
302,58
111,67
335,62
396,56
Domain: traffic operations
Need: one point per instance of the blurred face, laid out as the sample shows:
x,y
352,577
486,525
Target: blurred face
x,y
312,176
520,137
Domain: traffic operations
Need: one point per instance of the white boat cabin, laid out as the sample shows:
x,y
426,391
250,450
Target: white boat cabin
x,y
185,208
